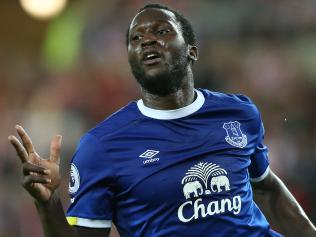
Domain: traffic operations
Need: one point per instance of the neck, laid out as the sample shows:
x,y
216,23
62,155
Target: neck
x,y
180,98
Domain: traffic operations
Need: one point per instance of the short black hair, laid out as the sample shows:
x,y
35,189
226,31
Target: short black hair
x,y
186,27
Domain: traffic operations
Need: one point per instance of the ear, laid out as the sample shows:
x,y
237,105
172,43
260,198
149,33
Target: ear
x,y
193,53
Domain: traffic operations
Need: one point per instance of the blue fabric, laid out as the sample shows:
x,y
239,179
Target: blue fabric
x,y
181,177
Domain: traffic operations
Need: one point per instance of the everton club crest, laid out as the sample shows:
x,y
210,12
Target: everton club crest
x,y
235,137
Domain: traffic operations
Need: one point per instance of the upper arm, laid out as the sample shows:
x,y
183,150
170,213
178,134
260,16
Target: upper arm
x,y
259,166
91,186
264,184
261,176
95,232
271,183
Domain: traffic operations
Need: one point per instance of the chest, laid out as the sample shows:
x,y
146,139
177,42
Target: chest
x,y
191,158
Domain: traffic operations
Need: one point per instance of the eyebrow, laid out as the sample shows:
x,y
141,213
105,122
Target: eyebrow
x,y
161,21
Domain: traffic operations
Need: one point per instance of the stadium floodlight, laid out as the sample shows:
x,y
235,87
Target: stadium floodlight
x,y
43,9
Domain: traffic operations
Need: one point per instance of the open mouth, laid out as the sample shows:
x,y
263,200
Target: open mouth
x,y
151,58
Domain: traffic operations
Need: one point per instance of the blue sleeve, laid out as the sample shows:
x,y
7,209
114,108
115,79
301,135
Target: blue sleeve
x,y
91,185
259,167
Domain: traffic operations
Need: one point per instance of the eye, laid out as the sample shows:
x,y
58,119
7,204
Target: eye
x,y
136,37
162,32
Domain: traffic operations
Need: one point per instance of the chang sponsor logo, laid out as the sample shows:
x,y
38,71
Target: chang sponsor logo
x,y
200,181
197,209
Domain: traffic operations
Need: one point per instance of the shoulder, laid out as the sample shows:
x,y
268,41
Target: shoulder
x,y
230,101
226,97
93,144
116,122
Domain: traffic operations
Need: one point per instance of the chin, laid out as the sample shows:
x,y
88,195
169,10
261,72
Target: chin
x,y
155,73
160,84
155,70
158,79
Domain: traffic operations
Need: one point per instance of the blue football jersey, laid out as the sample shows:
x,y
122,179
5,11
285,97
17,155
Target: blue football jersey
x,y
183,172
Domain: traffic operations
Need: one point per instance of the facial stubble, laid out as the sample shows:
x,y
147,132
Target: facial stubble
x,y
168,80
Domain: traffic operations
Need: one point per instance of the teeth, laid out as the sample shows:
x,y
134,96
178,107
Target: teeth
x,y
151,55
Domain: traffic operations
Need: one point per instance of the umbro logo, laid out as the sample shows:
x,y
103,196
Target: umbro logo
x,y
149,156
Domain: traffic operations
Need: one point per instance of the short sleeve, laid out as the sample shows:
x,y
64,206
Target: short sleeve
x,y
259,167
90,185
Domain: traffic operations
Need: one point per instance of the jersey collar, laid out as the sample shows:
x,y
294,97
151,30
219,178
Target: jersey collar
x,y
175,113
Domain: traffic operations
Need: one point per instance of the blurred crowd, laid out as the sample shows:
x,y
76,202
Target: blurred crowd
x,y
66,75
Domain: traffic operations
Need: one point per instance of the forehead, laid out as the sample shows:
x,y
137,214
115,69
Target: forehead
x,y
153,15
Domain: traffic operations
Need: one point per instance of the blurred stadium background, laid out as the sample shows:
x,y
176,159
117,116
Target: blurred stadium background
x,y
67,73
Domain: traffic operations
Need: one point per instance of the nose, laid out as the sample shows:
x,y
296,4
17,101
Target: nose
x,y
149,40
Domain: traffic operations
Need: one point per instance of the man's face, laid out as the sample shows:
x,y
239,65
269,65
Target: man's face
x,y
157,51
